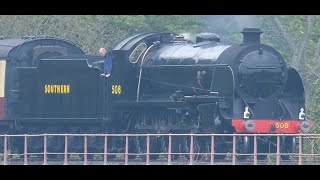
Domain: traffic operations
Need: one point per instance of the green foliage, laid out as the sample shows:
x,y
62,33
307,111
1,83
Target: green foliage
x,y
294,25
93,31
132,24
175,23
273,37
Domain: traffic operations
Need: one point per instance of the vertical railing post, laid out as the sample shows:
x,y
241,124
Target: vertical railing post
x,y
300,149
255,149
191,149
85,162
5,153
312,149
126,150
233,150
278,150
148,149
65,150
45,162
25,149
105,157
212,150
169,150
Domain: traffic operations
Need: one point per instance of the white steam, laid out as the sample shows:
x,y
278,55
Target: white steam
x,y
188,36
246,21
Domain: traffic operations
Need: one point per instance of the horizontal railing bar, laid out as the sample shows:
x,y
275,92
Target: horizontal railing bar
x,y
135,135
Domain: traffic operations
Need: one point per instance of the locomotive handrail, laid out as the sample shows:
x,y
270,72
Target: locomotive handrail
x,y
141,65
160,82
178,66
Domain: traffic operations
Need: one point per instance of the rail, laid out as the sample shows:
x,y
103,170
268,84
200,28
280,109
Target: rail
x,y
304,155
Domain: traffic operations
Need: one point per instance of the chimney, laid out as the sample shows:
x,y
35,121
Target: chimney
x,y
251,35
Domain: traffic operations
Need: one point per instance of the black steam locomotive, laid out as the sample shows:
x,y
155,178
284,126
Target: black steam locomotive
x,y
160,83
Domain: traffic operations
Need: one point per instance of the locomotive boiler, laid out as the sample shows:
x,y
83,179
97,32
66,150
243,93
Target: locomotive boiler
x,y
171,85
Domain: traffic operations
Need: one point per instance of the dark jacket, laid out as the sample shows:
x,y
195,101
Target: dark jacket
x,y
108,64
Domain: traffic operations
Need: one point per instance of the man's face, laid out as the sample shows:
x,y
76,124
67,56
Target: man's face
x,y
102,52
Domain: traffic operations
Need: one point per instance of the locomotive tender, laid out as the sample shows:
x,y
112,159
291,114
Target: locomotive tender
x,y
160,83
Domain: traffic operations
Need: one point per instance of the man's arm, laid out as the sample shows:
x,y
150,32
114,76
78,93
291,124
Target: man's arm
x,y
107,66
